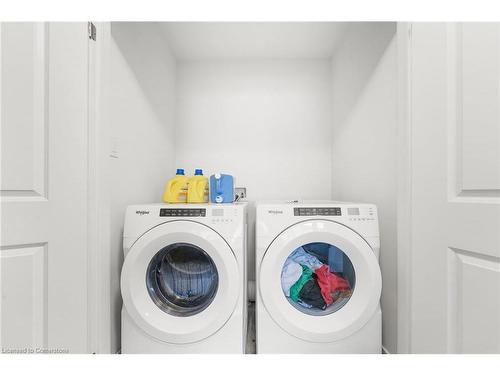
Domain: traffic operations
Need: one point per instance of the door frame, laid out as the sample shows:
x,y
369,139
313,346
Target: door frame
x,y
98,257
404,184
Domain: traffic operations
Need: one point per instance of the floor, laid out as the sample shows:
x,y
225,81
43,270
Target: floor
x,y
250,345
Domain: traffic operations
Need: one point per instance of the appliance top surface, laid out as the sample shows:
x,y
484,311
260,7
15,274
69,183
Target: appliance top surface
x,y
189,205
304,203
221,217
361,217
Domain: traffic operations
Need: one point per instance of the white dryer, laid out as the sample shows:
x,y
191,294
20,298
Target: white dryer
x,y
183,280
342,238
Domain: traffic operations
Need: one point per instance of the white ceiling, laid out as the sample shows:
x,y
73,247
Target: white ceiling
x,y
233,40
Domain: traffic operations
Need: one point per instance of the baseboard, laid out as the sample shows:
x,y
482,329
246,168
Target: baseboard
x,y
384,350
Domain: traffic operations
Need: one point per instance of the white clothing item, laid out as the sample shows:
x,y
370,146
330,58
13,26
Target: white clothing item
x,y
302,303
303,257
289,275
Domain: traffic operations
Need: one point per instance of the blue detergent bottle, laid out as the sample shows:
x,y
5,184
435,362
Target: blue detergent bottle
x,y
221,188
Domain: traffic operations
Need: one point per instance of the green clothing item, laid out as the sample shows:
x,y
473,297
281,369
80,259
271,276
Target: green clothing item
x,y
304,278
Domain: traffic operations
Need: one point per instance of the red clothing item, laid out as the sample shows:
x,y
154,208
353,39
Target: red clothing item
x,y
330,283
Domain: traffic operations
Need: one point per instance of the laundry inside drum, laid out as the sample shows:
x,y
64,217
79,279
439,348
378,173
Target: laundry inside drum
x,y
182,279
318,278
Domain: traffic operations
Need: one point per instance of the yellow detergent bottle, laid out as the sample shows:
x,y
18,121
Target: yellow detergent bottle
x,y
176,188
197,188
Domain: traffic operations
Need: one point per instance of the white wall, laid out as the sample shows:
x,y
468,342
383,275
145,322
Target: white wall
x,y
142,122
267,122
364,81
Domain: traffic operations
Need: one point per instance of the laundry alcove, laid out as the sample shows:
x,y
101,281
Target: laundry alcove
x,y
292,110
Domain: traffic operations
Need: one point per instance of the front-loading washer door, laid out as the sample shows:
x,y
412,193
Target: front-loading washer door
x,y
180,282
313,243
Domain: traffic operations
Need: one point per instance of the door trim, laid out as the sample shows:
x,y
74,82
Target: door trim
x,y
99,270
404,183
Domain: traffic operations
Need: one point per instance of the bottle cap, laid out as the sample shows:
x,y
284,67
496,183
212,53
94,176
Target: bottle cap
x,y
180,171
198,172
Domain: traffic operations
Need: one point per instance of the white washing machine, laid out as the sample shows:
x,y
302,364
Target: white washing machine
x,y
333,241
183,280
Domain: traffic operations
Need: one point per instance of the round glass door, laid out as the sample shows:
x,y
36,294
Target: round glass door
x,y
318,278
340,274
182,279
180,282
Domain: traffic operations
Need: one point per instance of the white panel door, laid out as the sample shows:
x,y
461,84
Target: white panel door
x,y
43,254
454,257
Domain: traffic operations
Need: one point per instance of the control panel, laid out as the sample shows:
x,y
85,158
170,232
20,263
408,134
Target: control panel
x,y
183,212
317,211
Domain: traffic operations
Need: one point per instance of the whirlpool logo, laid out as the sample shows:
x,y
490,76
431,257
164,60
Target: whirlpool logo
x,y
142,212
275,212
